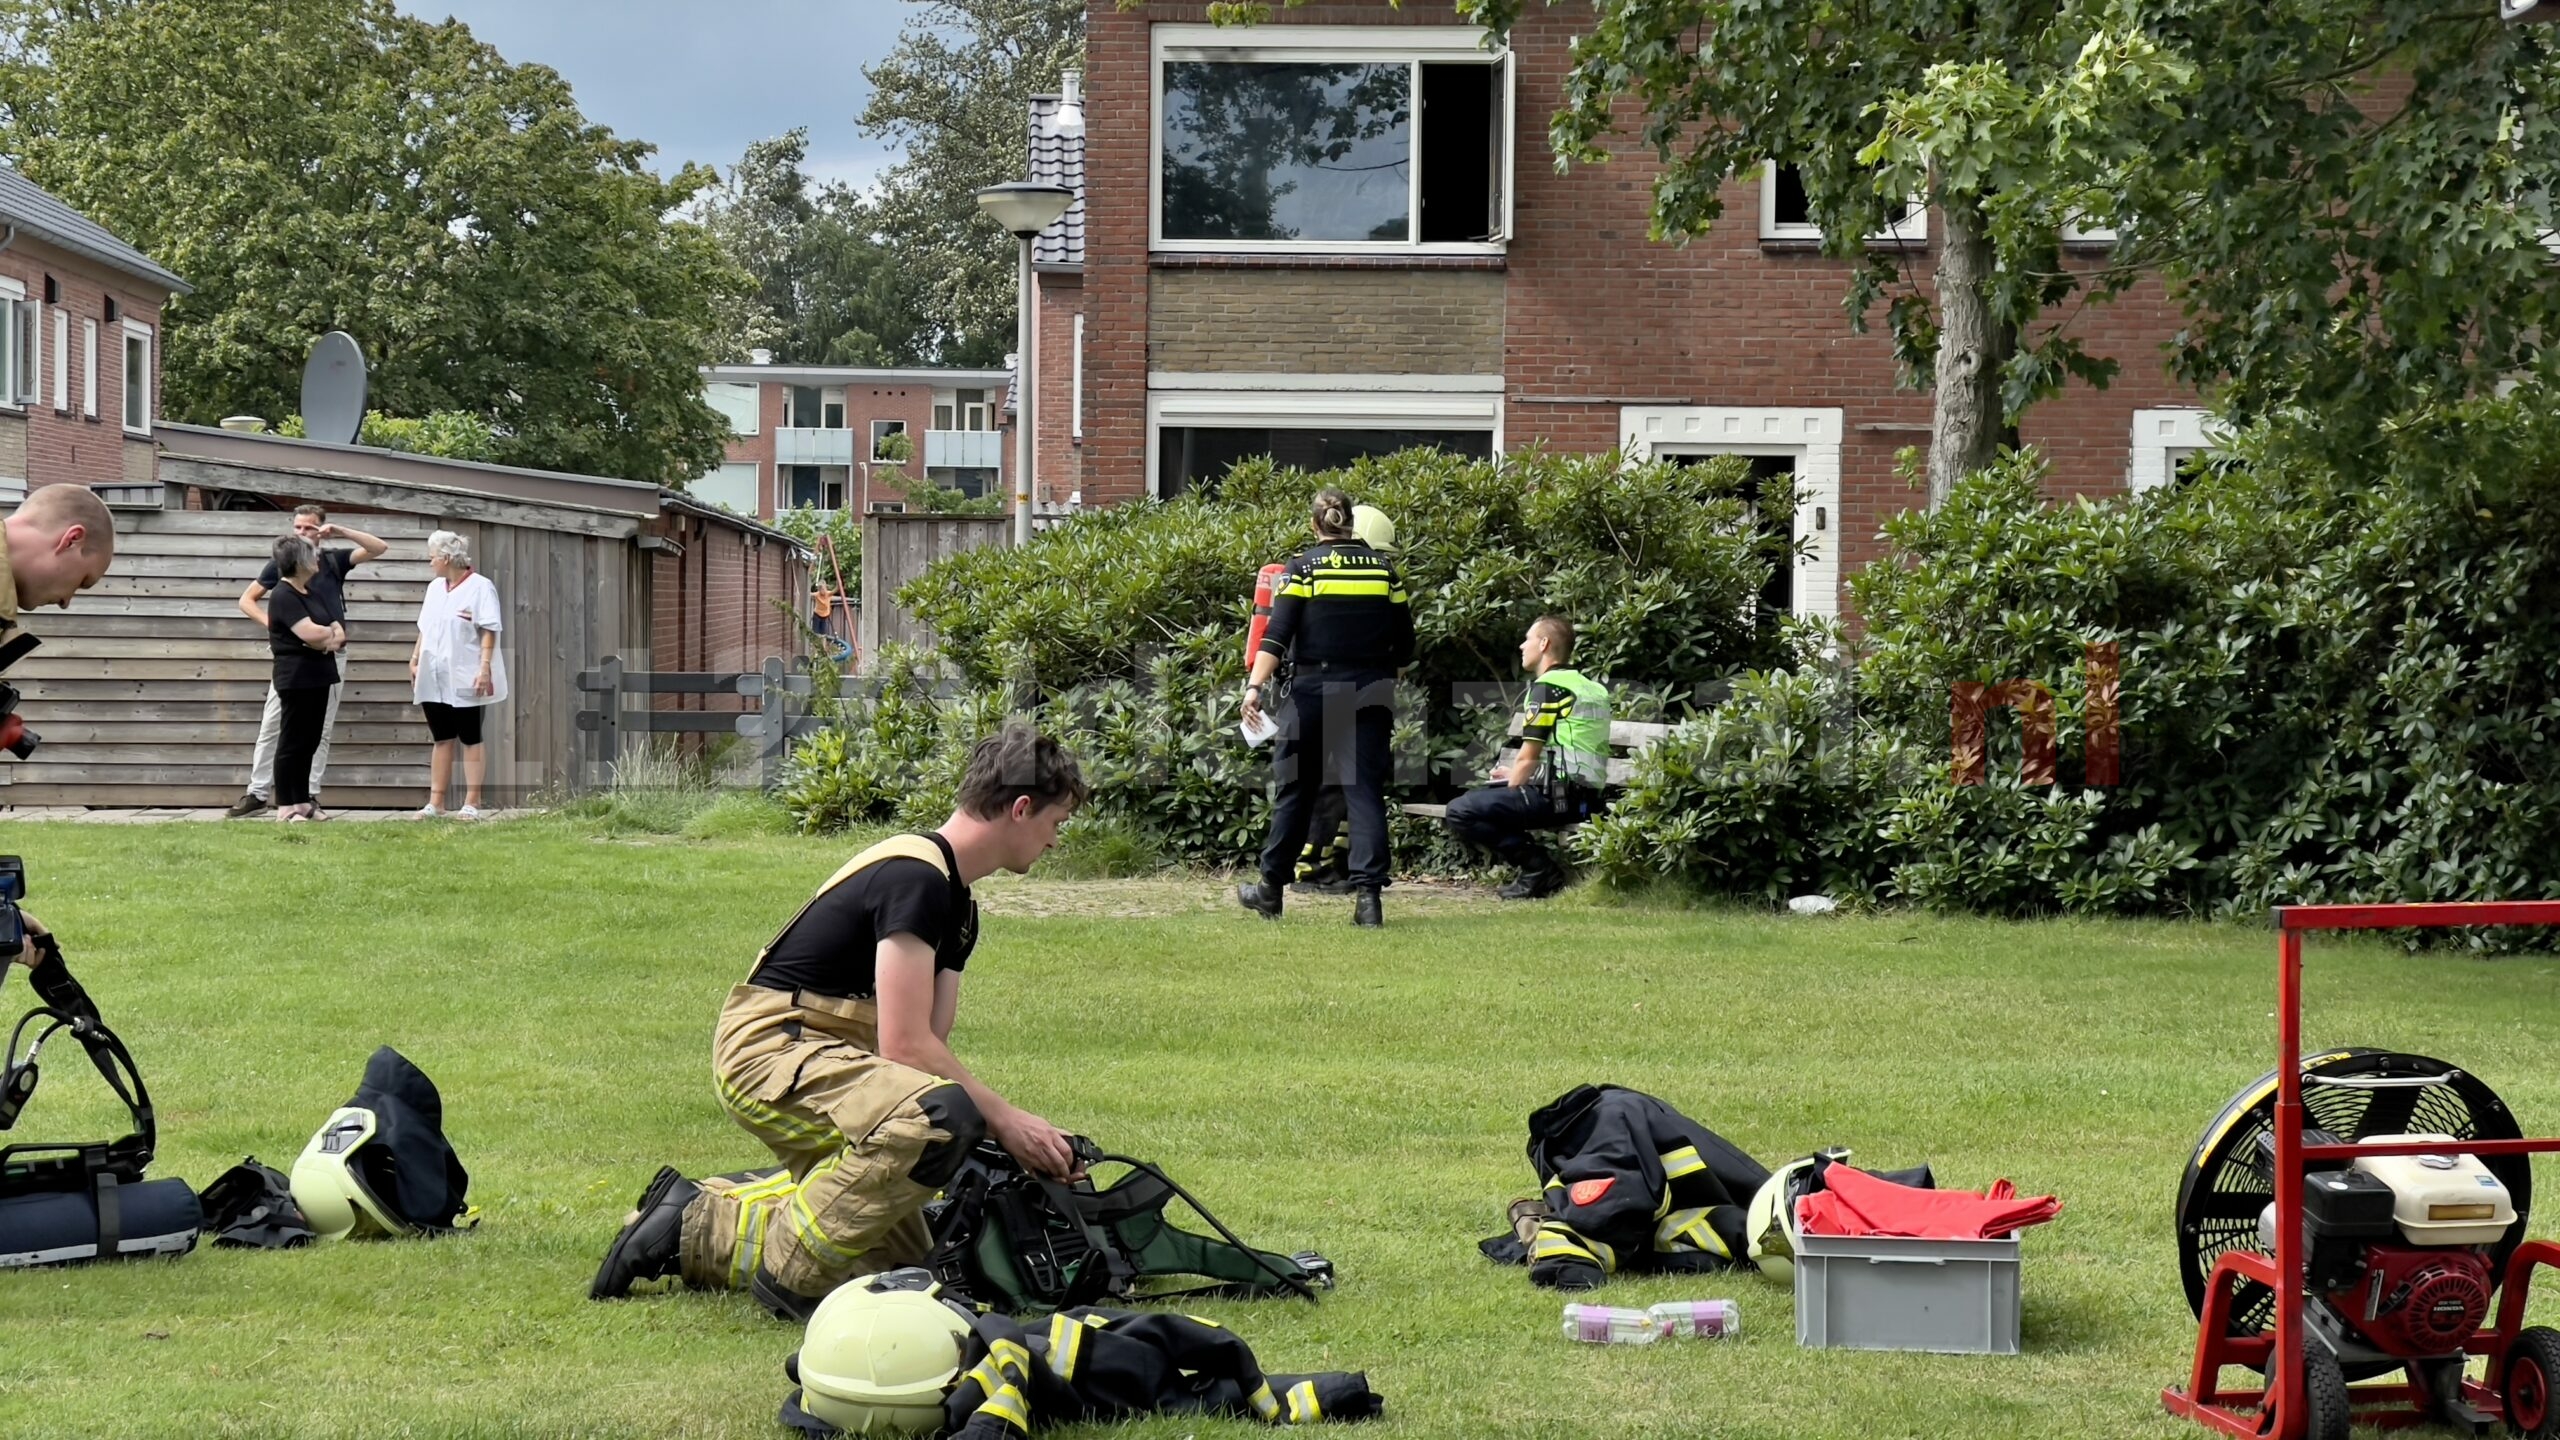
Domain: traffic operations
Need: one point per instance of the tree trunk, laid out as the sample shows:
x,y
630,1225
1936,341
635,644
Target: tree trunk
x,y
1964,436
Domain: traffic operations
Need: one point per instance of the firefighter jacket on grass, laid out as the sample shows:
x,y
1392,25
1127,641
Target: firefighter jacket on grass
x,y
1630,1184
1091,1363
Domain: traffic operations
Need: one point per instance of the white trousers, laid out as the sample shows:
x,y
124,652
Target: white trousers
x,y
262,765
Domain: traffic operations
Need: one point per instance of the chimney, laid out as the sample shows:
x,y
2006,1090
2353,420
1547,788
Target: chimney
x,y
244,424
760,356
1070,120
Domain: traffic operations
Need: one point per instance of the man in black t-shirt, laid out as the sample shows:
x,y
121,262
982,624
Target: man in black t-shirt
x,y
311,522
836,1053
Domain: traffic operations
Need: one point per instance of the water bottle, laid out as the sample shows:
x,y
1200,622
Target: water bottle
x,y
1606,1325
1697,1319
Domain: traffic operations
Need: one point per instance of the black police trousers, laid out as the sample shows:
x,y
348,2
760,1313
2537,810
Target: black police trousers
x,y
1499,819
1337,735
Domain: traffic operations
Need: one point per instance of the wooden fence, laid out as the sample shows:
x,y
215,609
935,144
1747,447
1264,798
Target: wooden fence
x,y
149,689
773,724
895,550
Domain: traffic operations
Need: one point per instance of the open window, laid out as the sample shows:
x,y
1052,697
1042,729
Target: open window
x,y
1336,139
1199,435
1786,212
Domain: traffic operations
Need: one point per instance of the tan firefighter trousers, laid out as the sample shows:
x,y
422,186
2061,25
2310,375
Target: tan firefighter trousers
x,y
803,1074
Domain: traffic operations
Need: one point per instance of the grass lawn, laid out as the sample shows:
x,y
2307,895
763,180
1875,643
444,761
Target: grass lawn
x,y
1364,1094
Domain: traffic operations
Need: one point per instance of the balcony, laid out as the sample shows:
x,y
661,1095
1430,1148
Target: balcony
x,y
963,449
796,446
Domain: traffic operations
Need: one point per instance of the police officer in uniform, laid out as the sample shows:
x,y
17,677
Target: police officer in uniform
x,y
1557,777
1326,867
1342,616
835,1052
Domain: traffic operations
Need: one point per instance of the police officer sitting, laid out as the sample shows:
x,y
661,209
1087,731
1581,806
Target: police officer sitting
x,y
1342,615
1555,780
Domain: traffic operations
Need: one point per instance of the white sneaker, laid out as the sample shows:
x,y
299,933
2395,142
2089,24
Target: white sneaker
x,y
467,812
428,812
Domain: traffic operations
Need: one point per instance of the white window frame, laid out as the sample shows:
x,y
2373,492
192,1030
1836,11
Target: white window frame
x,y
31,315
881,430
1339,402
1811,436
137,330
61,360
2075,233
1075,404
754,409
13,313
1327,44
973,416
2163,439
1912,229
89,368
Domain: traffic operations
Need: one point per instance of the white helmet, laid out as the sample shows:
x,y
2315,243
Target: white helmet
x,y
881,1355
331,1191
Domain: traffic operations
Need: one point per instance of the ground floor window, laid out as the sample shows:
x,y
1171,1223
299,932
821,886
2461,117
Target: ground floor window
x,y
1203,425
975,481
818,485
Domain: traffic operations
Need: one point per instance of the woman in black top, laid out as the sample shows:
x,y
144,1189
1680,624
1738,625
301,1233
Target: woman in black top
x,y
306,631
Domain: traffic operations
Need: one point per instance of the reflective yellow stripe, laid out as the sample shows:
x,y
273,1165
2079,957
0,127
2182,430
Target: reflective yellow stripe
x,y
1066,1346
1295,589
1007,1404
1303,1409
793,1131
1689,1229
1265,1404
986,1375
1330,586
804,1221
1683,1161
1559,1241
1011,1357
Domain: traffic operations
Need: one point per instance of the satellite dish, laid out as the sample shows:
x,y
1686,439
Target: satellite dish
x,y
333,389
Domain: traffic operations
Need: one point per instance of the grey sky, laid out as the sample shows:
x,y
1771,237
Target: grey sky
x,y
702,80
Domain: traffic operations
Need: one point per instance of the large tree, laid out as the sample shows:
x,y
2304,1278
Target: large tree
x,y
954,96
828,290
319,164
2351,200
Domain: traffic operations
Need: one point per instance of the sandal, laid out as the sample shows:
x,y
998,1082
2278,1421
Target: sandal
x,y
467,812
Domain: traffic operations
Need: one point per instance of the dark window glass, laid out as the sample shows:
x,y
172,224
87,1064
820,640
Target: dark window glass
x,y
814,485
1256,151
804,408
1199,457
1794,207
1461,150
1770,492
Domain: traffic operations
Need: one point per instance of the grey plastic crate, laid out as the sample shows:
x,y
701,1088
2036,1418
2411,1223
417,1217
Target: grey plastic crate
x,y
1874,1292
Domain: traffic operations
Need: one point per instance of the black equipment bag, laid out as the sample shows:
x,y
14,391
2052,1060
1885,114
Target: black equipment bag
x,y
1010,1241
64,1201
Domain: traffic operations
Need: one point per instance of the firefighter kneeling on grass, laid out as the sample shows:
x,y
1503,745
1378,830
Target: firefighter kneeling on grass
x,y
835,1053
1557,778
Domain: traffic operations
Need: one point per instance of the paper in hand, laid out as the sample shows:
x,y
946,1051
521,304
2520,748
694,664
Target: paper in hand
x,y
1256,734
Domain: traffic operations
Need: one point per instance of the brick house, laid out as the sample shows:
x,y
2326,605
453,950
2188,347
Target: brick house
x,y
79,346
1215,296
821,435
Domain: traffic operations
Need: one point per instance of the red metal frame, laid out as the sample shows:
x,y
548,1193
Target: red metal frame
x,y
2237,1412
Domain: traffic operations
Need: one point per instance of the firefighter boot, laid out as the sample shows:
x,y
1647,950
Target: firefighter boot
x,y
1366,911
1261,897
649,1247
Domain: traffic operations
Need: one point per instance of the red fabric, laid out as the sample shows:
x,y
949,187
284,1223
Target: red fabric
x,y
1853,1202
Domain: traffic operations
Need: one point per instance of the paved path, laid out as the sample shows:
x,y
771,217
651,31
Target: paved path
x,y
84,816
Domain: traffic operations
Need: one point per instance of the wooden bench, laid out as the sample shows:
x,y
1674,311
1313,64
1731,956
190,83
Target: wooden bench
x,y
1632,737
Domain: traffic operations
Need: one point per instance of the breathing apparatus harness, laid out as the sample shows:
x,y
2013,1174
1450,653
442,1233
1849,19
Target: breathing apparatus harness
x,y
1023,1244
96,1167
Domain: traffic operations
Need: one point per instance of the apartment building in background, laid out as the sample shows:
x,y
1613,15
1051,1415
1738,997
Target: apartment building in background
x,y
842,437
79,347
1221,291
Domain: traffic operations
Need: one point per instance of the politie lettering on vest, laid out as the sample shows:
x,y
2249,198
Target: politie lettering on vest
x,y
1559,776
1341,619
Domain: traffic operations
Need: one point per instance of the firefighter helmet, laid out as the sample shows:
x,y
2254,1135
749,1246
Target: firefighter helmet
x,y
882,1353
330,1187
1373,527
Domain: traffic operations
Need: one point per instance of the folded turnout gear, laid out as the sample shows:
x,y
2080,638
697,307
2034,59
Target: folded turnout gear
x,y
82,1200
1007,1240
250,1207
1853,1202
1630,1184
889,1354
380,1165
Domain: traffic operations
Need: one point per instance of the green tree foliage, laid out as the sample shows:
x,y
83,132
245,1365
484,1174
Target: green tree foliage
x,y
828,291
449,434
319,164
953,97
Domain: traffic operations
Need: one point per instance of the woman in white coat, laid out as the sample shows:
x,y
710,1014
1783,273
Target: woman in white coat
x,y
456,668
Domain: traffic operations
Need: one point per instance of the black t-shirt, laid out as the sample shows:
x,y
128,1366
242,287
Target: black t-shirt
x,y
298,666
831,948
328,582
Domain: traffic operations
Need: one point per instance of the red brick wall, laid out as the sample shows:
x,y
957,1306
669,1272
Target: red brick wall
x,y
1060,467
71,445
1598,316
712,605
912,403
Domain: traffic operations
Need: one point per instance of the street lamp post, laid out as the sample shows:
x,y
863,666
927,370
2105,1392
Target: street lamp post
x,y
1025,209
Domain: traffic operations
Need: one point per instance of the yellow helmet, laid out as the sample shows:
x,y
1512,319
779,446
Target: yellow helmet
x,y
1372,526
330,1190
881,1355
